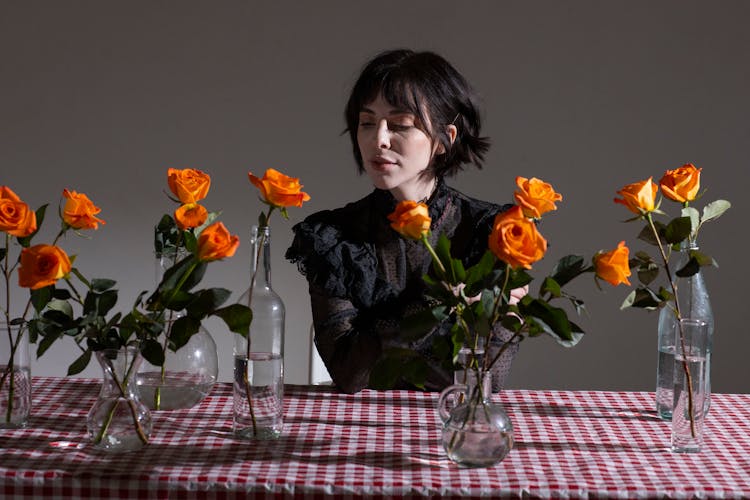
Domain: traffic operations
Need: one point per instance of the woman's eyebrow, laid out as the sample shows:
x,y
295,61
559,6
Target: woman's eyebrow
x,y
393,112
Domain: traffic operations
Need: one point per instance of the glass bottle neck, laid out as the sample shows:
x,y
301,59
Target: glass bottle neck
x,y
260,255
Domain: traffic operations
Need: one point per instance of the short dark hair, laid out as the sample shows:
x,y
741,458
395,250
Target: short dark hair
x,y
430,87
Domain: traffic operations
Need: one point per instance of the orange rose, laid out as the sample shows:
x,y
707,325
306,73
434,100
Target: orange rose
x,y
215,243
42,265
16,218
188,185
515,240
190,215
279,190
681,184
613,266
79,212
639,197
411,219
535,196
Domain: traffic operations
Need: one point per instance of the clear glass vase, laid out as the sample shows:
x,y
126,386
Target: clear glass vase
x,y
477,432
690,365
259,359
119,421
694,304
189,371
15,376
187,376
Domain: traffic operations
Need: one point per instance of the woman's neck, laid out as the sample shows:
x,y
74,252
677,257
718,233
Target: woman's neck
x,y
420,191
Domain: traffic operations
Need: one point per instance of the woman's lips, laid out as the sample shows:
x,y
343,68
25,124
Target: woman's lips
x,y
383,164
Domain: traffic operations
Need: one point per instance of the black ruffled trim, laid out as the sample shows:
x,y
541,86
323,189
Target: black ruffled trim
x,y
335,249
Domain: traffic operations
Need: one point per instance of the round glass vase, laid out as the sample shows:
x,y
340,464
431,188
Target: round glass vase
x,y
187,376
690,364
258,395
119,421
477,432
694,304
189,372
15,376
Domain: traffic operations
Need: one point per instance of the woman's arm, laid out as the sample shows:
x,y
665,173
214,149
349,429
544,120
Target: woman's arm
x,y
348,344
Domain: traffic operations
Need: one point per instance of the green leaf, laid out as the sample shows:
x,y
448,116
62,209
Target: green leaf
x,y
554,319
643,298
181,331
677,230
47,341
152,352
3,253
101,284
419,324
166,234
237,318
25,242
41,297
207,301
568,268
80,364
647,233
714,210
648,272
551,287
481,269
694,217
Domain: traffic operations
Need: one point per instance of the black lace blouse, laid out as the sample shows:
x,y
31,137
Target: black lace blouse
x,y
364,278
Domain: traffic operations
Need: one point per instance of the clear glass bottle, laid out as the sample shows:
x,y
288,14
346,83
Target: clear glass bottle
x,y
259,360
694,304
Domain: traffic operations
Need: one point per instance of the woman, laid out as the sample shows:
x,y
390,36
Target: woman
x,y
413,120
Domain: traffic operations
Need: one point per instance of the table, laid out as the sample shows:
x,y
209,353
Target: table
x,y
569,444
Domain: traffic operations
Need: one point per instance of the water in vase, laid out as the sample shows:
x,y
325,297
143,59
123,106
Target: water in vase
x,y
665,382
265,418
178,389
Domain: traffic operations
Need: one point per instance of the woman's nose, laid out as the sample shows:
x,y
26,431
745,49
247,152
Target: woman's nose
x,y
383,135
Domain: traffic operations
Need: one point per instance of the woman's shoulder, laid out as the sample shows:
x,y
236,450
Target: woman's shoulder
x,y
479,211
334,250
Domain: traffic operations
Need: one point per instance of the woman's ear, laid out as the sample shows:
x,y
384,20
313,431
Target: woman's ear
x,y
452,132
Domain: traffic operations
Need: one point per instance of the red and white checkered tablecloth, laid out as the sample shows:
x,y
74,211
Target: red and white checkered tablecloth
x,y
569,444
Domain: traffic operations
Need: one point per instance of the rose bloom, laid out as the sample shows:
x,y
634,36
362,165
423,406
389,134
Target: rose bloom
x,y
535,196
79,212
42,265
639,197
411,219
613,266
681,184
279,190
16,218
515,240
216,243
190,215
189,185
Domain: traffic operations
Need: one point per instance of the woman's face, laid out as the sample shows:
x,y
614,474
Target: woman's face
x,y
394,151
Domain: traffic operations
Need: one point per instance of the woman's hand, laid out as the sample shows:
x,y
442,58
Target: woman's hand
x,y
517,294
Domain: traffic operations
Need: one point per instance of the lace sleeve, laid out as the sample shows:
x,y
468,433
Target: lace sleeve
x,y
349,348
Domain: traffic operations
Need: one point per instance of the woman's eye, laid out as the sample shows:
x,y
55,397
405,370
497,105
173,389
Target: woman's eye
x,y
398,127
366,124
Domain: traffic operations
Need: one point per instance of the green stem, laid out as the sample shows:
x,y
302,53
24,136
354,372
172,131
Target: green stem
x,y
435,258
131,404
261,243
673,285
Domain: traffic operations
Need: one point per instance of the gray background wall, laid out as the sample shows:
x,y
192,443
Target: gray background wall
x,y
104,96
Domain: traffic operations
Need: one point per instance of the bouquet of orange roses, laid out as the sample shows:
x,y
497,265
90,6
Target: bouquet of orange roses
x,y
475,300
39,267
677,236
